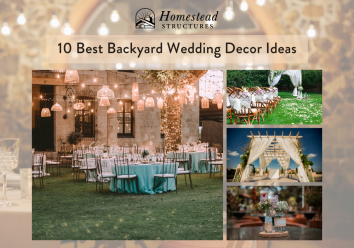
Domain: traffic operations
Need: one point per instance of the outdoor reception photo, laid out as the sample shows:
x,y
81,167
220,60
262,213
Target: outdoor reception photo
x,y
274,213
127,155
273,97
269,156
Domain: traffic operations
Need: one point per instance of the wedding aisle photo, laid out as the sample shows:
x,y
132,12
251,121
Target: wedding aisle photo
x,y
271,156
274,213
127,155
274,97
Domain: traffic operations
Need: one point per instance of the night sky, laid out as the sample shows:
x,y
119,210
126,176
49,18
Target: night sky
x,y
311,140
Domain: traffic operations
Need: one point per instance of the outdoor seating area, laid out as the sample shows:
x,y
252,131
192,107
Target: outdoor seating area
x,y
252,97
118,137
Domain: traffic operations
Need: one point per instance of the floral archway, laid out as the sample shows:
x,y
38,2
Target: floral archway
x,y
295,77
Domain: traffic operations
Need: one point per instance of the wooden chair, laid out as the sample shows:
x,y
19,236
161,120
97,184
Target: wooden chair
x,y
270,100
246,114
168,171
123,173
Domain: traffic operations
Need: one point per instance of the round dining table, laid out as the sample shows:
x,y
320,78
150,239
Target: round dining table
x,y
295,233
145,176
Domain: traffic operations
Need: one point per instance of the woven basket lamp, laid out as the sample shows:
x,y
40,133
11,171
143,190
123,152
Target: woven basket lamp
x,y
56,107
160,103
104,102
205,102
45,112
71,77
111,111
135,92
79,106
149,102
140,105
105,92
217,97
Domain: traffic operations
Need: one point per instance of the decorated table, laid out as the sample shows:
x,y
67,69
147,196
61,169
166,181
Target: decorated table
x,y
197,166
295,233
145,174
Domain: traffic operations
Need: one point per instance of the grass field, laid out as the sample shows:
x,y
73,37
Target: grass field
x,y
64,210
294,112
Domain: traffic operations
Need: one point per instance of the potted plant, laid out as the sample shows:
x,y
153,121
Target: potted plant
x,y
75,138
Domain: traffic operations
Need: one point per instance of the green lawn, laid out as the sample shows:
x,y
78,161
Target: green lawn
x,y
293,111
64,210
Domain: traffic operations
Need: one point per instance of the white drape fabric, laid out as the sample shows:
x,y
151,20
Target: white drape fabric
x,y
275,80
258,147
290,147
228,102
296,79
284,160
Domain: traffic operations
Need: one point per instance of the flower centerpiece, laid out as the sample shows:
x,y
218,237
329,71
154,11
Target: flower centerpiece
x,y
280,220
105,148
266,204
93,144
145,153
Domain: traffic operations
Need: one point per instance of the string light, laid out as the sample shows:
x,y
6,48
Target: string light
x,y
103,29
119,66
21,19
260,2
67,30
229,13
115,16
54,22
311,32
5,29
244,5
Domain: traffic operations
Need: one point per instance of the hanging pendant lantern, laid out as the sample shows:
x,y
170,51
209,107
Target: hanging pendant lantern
x,y
45,112
71,77
220,104
79,106
205,102
217,97
149,102
56,107
140,105
105,92
135,92
104,102
111,111
160,103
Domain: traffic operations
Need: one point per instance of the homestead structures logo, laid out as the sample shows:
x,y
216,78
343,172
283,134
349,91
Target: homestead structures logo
x,y
145,19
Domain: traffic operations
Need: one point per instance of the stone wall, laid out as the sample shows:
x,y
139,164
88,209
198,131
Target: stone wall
x,y
147,123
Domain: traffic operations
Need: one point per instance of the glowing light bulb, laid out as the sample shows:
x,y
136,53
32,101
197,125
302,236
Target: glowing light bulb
x,y
229,14
119,66
58,76
91,110
244,5
115,16
83,85
132,107
132,64
152,91
68,110
103,29
95,80
40,96
67,30
89,104
260,2
311,32
21,19
54,22
120,102
5,29
73,97
115,86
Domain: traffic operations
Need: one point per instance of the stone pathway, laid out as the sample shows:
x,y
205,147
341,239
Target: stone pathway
x,y
265,179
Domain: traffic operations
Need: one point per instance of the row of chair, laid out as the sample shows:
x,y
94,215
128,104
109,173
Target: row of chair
x,y
265,101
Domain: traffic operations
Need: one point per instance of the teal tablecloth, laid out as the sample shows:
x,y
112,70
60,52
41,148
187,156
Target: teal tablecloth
x,y
144,172
197,166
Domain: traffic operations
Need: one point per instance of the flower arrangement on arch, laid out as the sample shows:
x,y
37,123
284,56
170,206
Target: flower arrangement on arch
x,y
300,88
